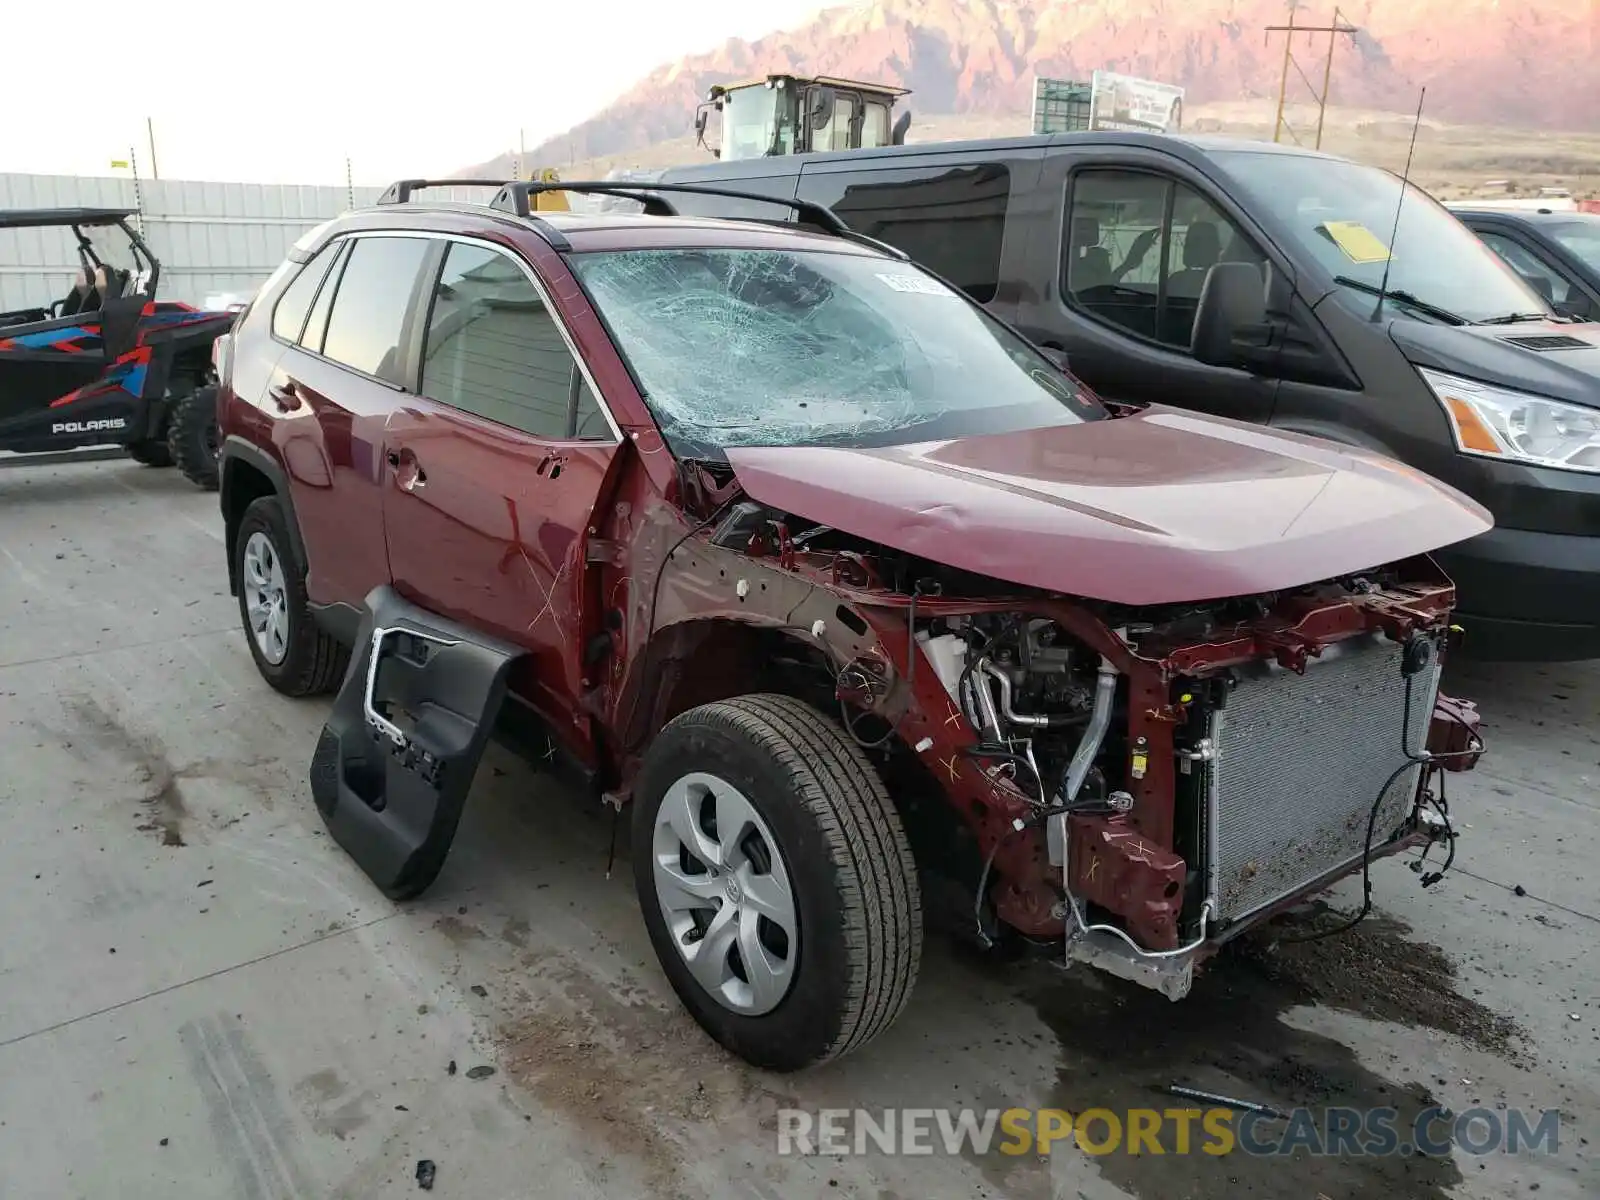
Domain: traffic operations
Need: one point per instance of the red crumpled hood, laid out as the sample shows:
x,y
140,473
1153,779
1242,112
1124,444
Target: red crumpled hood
x,y
1162,507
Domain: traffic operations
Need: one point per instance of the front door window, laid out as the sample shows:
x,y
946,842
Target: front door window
x,y
1138,249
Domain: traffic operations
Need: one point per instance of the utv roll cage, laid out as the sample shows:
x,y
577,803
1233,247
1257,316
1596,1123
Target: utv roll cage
x,y
79,219
515,197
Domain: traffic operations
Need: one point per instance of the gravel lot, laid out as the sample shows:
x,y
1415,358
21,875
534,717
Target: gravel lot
x,y
200,996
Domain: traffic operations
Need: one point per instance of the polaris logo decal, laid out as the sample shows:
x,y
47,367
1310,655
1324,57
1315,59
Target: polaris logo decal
x,y
88,426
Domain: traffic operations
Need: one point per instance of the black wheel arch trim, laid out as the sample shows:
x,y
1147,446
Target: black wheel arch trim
x,y
237,449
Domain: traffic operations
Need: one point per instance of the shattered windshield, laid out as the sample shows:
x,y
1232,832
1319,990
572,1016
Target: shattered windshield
x,y
778,348
1342,214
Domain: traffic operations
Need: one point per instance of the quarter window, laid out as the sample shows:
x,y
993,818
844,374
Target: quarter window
x,y
494,349
368,318
317,323
289,317
1139,248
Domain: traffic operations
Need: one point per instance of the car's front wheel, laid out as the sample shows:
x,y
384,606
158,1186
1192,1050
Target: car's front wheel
x,y
292,653
776,881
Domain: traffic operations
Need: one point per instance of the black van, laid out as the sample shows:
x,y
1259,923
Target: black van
x,y
1243,279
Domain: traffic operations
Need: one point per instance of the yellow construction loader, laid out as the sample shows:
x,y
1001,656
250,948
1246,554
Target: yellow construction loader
x,y
795,114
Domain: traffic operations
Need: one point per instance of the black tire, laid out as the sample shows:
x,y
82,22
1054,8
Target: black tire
x,y
314,662
859,910
192,437
150,454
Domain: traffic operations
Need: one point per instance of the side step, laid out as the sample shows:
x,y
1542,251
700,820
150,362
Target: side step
x,y
397,755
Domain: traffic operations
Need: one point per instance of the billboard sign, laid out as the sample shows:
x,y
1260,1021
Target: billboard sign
x,y
1060,105
1123,102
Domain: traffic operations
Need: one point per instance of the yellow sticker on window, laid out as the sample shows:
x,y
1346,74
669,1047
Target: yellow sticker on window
x,y
1359,244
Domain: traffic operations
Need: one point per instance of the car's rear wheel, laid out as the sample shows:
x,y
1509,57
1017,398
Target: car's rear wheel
x,y
192,438
776,881
292,653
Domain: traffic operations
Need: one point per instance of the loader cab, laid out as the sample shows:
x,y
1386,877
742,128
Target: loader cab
x,y
789,114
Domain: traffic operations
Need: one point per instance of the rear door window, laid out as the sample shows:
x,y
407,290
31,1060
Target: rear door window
x,y
952,220
1138,249
493,349
368,319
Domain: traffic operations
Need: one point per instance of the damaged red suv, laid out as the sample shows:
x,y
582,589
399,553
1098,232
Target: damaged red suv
x,y
842,585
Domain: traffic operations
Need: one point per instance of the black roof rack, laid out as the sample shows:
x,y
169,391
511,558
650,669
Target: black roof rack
x,y
516,197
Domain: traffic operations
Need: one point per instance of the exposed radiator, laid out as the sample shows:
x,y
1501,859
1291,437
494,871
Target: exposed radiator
x,y
1297,763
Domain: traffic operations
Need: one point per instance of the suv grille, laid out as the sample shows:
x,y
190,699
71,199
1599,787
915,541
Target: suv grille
x,y
1298,761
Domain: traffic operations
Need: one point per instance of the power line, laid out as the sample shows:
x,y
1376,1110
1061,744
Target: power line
x,y
1338,26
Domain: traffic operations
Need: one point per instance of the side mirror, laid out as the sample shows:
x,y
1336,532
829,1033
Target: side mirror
x,y
700,124
1231,317
897,135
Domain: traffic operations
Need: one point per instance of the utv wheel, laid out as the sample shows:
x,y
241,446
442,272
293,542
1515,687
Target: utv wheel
x,y
776,881
292,653
192,437
150,454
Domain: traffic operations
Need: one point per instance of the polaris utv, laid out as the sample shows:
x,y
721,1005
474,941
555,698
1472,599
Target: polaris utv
x,y
107,363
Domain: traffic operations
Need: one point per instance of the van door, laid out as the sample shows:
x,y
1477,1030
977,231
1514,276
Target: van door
x,y
956,215
1119,274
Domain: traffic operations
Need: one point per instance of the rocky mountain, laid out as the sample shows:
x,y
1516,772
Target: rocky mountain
x,y
1527,63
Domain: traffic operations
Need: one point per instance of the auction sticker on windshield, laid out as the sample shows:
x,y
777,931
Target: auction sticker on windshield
x,y
919,285
1359,244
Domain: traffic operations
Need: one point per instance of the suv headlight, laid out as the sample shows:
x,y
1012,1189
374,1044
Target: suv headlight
x,y
1496,422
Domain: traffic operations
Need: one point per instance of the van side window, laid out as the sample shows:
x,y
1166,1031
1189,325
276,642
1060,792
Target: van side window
x,y
1138,249
494,350
950,219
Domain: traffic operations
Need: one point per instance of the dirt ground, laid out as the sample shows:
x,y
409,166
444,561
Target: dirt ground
x,y
201,996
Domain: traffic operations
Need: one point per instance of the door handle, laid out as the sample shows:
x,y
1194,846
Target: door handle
x,y
287,398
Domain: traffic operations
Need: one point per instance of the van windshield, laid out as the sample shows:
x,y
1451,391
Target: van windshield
x,y
1342,214
768,347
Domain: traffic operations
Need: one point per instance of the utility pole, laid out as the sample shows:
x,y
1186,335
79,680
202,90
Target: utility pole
x,y
522,152
349,183
1338,26
150,132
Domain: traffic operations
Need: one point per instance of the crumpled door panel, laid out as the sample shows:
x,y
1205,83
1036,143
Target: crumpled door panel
x,y
397,755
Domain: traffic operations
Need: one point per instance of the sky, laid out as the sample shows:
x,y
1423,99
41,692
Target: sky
x,y
280,91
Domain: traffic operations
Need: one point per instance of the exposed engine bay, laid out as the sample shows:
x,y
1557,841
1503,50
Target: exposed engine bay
x,y
1146,782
